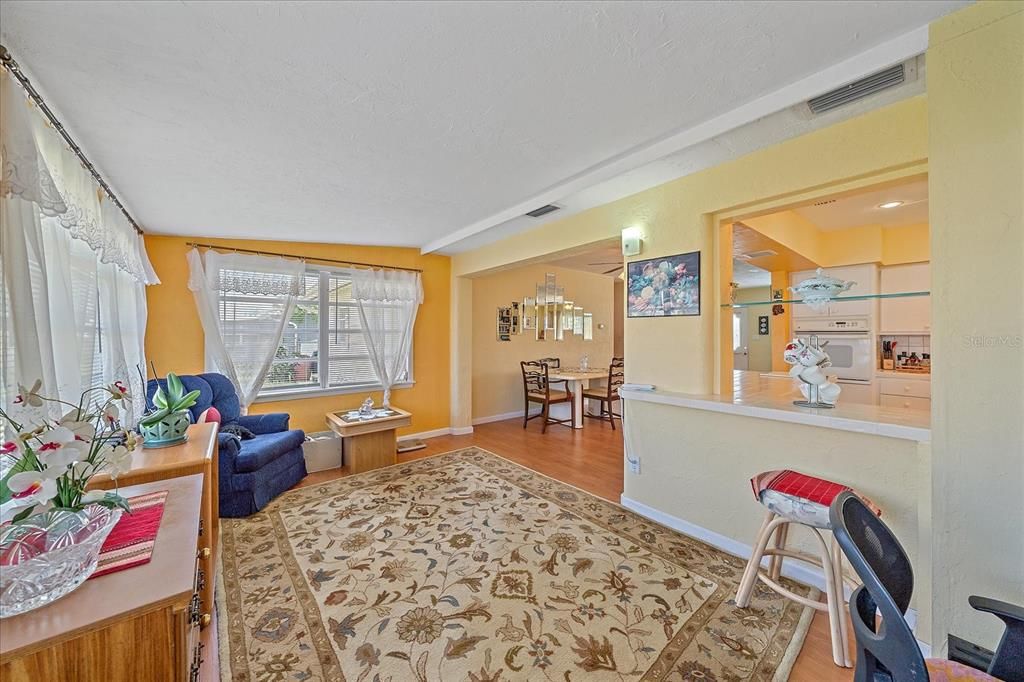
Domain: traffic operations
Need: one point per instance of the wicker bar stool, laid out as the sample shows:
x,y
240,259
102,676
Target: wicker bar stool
x,y
793,497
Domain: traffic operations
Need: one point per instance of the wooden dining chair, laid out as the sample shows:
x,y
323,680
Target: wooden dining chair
x,y
608,394
537,389
552,362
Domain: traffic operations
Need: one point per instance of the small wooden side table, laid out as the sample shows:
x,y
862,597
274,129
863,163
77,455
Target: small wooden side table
x,y
368,444
197,455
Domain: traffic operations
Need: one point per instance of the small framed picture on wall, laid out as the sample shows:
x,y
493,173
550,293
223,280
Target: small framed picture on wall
x,y
664,287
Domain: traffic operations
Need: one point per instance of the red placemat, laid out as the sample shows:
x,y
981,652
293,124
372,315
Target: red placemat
x,y
131,541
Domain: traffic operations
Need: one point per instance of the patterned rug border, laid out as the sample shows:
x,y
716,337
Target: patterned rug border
x,y
776,664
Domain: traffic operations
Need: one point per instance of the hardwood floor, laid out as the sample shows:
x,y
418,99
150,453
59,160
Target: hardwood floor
x,y
590,459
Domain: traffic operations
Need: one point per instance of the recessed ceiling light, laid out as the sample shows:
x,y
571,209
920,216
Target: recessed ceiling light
x,y
890,204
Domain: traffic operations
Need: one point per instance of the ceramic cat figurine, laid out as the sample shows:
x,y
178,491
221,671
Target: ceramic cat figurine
x,y
809,364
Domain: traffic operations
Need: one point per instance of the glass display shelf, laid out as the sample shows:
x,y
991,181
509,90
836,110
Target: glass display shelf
x,y
865,297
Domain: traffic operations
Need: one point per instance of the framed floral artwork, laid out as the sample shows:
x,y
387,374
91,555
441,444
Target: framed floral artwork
x,y
664,287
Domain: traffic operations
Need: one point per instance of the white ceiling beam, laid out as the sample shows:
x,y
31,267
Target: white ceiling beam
x,y
886,54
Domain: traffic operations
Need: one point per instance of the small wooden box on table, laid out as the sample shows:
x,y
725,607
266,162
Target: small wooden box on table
x,y
197,455
368,444
141,623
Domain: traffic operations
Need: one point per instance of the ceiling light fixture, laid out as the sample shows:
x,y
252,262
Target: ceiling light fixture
x,y
890,204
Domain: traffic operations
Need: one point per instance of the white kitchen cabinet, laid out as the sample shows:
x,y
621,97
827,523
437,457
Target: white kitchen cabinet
x,y
866,278
911,315
907,403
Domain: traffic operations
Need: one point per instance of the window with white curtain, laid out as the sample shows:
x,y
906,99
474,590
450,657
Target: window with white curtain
x,y
322,349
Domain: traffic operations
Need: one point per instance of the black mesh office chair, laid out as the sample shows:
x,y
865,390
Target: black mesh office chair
x,y
887,651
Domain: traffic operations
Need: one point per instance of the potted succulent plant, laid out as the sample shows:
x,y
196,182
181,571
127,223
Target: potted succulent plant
x,y
166,425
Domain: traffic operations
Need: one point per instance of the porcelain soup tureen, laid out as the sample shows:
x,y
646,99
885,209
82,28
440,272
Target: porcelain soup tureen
x,y
817,291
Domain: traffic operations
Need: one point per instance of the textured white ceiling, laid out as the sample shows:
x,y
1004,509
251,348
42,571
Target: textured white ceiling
x,y
402,123
862,209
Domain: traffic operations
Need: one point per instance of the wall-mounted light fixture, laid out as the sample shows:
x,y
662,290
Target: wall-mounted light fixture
x,y
632,241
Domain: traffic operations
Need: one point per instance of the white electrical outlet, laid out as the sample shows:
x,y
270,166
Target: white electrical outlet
x,y
634,464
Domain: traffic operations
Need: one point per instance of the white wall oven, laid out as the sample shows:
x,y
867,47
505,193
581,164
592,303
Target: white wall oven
x,y
850,345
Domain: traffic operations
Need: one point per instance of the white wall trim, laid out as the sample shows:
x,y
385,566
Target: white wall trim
x,y
797,570
461,430
427,434
518,414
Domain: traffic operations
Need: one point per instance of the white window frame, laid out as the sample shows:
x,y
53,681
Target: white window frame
x,y
276,394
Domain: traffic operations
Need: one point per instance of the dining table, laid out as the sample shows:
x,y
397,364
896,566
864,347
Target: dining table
x,y
576,379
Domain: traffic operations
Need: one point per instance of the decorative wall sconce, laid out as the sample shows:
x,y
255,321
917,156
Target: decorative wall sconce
x,y
632,241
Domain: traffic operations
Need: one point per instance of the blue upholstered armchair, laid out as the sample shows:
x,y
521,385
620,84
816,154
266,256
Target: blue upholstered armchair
x,y
255,471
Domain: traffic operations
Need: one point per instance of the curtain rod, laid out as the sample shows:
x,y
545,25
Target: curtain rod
x,y
199,245
12,66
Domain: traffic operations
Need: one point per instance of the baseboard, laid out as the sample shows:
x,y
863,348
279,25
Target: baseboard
x,y
427,434
461,430
518,414
796,570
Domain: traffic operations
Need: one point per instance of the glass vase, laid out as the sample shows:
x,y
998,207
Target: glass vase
x,y
49,555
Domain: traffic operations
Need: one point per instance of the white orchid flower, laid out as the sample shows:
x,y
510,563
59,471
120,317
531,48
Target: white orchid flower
x,y
29,397
14,448
93,496
111,414
82,429
119,391
60,447
29,488
117,461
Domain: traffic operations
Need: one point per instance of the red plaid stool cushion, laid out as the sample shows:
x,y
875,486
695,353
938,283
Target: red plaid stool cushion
x,y
800,497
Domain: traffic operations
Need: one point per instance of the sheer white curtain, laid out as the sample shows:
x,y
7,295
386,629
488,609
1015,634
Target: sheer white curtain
x,y
244,303
388,301
74,270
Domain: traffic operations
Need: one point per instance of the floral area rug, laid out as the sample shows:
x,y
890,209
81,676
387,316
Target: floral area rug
x,y
467,567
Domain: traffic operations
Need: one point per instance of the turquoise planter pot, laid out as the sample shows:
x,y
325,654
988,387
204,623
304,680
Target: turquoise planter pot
x,y
168,431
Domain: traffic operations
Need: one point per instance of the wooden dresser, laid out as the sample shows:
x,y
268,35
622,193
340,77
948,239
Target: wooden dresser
x,y
197,455
139,624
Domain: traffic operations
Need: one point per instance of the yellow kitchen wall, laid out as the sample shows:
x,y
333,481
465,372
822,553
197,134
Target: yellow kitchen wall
x,y
975,86
174,335
850,246
497,378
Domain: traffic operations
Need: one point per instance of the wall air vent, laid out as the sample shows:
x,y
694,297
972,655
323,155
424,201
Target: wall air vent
x,y
851,92
826,202
543,210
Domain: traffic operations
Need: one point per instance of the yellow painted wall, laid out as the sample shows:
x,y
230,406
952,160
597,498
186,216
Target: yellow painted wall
x,y
174,335
909,244
976,211
704,478
497,378
676,217
851,246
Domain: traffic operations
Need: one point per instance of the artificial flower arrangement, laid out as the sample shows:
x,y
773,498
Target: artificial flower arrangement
x,y
48,464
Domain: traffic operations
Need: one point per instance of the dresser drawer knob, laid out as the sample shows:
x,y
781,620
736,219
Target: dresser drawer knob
x,y
205,619
204,553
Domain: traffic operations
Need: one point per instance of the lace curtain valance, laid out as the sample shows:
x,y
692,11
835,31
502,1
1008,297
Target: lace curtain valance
x,y
37,167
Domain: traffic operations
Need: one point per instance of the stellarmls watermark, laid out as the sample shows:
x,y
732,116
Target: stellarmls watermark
x,y
993,341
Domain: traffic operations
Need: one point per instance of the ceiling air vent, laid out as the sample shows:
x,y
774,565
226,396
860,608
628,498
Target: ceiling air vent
x,y
760,254
851,92
543,210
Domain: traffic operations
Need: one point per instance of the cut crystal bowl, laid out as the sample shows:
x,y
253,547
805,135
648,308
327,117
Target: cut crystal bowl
x,y
49,555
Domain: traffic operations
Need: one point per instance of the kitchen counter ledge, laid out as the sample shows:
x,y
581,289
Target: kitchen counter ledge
x,y
775,403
